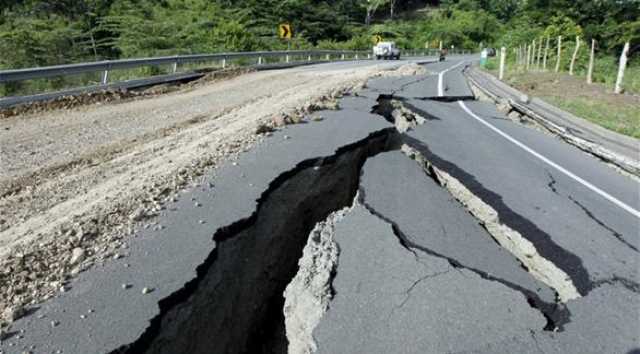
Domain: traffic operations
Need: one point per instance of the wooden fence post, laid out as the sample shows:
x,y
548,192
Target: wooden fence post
x,y
532,60
559,53
546,53
503,54
533,54
539,56
575,55
519,60
623,65
591,59
528,62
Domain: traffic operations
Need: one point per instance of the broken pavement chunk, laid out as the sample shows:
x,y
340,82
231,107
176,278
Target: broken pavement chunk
x,y
388,297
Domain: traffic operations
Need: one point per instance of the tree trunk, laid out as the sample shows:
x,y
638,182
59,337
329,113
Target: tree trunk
x,y
591,59
559,53
623,65
575,55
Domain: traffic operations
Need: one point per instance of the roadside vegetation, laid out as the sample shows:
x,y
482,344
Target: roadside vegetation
x,y
595,102
49,32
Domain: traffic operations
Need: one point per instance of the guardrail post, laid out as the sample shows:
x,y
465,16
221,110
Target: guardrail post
x,y
259,60
287,58
224,63
174,67
105,77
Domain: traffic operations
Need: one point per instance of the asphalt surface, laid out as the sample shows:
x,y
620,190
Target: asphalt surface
x,y
390,299
437,224
589,237
444,81
417,273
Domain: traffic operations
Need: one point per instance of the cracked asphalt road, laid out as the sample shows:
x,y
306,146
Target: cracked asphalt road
x,y
417,270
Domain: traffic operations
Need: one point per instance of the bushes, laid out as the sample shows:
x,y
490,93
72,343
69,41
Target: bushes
x,y
36,42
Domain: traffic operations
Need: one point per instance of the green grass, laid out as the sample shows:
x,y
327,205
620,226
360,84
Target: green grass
x,y
605,71
624,119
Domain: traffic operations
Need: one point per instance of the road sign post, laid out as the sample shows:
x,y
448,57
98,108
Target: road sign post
x,y
285,32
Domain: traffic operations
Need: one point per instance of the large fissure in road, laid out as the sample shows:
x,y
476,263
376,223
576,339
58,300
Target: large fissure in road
x,y
235,303
572,281
406,117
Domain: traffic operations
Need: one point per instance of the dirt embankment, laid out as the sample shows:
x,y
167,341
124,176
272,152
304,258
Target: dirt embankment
x,y
75,184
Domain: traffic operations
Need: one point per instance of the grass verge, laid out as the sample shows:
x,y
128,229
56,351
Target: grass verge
x,y
594,102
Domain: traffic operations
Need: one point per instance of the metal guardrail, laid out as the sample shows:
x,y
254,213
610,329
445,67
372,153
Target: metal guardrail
x,y
260,62
175,61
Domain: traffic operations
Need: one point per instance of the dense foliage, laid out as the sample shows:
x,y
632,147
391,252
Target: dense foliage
x,y
45,32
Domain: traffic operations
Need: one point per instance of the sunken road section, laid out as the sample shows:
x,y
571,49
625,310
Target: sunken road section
x,y
262,250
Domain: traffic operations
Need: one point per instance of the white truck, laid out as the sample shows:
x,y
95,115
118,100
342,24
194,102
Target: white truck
x,y
386,50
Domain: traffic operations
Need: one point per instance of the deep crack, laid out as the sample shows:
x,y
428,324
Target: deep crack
x,y
568,262
217,311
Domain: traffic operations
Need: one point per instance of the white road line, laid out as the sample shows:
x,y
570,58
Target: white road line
x,y
441,79
599,191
